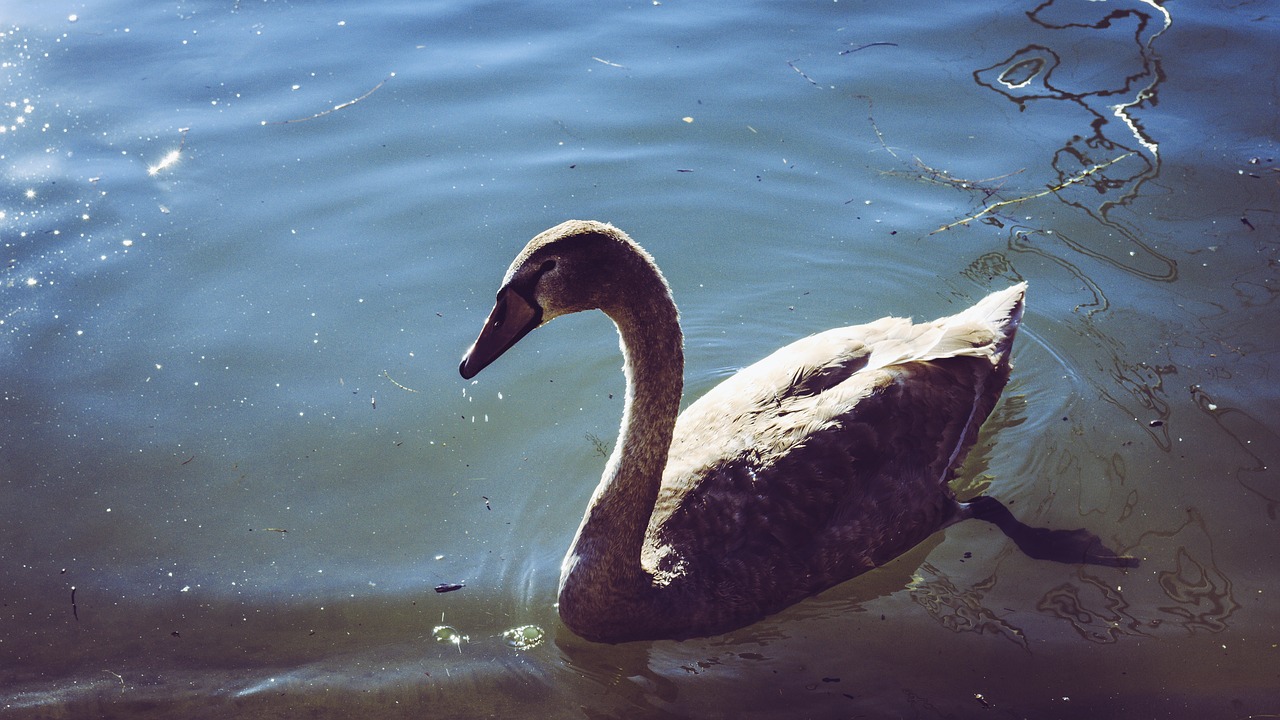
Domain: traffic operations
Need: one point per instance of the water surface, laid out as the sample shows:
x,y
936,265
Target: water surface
x,y
246,243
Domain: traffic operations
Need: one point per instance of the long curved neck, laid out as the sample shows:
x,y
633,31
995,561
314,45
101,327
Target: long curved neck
x,y
602,570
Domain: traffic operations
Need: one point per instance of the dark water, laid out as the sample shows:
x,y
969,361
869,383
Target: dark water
x,y
246,242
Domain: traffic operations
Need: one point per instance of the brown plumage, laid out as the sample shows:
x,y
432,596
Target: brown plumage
x,y
823,460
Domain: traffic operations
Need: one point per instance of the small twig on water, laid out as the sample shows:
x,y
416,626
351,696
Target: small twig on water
x,y
170,157
393,382
1047,191
871,119
942,177
335,108
864,47
806,77
602,447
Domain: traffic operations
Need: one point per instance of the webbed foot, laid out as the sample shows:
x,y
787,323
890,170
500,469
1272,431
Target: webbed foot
x,y
1064,546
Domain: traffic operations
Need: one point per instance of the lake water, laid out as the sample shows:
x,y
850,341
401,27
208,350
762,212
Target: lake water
x,y
246,242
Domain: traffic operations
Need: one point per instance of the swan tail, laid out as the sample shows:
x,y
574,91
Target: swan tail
x,y
985,330
1001,312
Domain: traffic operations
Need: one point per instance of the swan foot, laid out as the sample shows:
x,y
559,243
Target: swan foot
x,y
1064,546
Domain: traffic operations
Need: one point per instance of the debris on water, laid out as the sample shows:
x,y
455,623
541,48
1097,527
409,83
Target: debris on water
x,y
867,45
387,375
335,108
449,587
1156,423
600,445
525,637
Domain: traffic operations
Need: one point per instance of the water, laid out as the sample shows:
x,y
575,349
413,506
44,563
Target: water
x,y
245,244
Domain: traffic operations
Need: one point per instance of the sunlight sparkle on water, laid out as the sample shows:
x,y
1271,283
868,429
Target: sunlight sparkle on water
x,y
525,637
448,634
168,160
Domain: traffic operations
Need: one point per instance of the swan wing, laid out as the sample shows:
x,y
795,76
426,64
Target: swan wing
x,y
832,455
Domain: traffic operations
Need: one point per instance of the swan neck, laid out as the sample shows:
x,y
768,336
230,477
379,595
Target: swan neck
x,y
604,562
653,365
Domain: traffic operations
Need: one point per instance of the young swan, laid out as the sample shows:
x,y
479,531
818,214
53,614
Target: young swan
x,y
823,460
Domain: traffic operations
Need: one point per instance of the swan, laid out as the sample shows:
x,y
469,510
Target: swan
x,y
826,459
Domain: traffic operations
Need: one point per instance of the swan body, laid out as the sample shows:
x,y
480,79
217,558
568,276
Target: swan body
x,y
824,460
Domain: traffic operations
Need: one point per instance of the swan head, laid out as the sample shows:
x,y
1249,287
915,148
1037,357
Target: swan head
x,y
575,266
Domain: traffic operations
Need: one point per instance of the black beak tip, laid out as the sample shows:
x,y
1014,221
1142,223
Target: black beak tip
x,y
511,319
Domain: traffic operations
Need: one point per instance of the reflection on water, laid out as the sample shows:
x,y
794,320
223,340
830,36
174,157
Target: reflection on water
x,y
1198,596
1096,624
1116,141
625,674
1252,438
961,610
1202,592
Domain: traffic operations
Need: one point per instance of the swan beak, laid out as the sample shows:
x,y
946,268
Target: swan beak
x,y
512,318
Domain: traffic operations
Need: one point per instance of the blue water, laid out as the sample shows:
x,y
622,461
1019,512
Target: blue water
x,y
246,242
